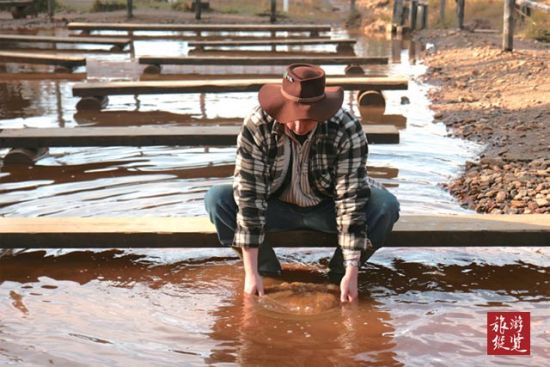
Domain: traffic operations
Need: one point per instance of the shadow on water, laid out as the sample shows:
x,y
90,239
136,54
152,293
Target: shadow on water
x,y
517,279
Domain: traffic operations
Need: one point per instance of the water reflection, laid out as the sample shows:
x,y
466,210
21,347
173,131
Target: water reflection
x,y
193,312
13,95
519,280
141,118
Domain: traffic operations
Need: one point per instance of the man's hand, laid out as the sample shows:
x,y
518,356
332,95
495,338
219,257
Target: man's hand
x,y
348,285
253,282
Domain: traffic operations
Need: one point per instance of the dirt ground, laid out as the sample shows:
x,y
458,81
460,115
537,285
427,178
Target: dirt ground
x,y
500,99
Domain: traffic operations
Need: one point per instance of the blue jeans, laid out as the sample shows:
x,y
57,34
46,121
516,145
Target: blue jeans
x,y
382,211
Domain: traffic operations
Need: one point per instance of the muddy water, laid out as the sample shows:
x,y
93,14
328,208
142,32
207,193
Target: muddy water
x,y
185,307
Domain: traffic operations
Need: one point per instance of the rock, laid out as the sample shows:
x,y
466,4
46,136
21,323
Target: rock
x,y
541,202
518,204
501,196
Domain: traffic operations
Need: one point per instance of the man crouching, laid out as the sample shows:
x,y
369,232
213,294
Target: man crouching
x,y
301,164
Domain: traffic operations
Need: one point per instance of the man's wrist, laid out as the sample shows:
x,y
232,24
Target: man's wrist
x,y
352,270
250,260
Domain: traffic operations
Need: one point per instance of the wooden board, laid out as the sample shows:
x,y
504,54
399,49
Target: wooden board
x,y
409,231
261,60
225,86
199,27
98,170
149,136
271,42
42,58
54,39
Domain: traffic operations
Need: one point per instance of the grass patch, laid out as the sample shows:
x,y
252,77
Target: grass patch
x,y
536,27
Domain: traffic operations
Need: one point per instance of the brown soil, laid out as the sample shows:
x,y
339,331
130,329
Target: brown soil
x,y
501,99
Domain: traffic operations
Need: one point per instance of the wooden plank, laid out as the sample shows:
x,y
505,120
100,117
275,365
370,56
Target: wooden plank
x,y
410,231
149,136
225,86
54,39
99,170
42,58
199,27
271,42
261,60
269,53
193,37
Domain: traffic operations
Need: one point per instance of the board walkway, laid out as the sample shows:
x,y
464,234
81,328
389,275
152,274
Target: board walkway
x,y
118,42
66,61
225,86
149,136
475,230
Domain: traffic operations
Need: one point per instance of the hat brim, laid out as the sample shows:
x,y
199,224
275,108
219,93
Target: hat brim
x,y
285,111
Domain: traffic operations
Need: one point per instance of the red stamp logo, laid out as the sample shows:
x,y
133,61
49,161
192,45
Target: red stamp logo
x,y
509,333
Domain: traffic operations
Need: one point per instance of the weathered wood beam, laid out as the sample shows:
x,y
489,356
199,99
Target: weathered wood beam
x,y
409,231
149,136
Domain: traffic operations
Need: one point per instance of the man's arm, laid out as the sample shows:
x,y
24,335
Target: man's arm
x,y
351,196
250,189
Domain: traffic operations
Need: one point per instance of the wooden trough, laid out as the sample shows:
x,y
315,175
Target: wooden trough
x,y
94,95
154,63
475,230
314,30
342,45
149,136
118,44
64,63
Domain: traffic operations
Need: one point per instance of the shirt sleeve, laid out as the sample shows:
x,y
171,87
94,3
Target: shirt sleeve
x,y
351,189
250,186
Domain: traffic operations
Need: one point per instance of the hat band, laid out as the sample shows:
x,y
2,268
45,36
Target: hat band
x,y
302,100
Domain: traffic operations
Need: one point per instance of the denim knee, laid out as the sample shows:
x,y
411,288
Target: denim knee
x,y
390,207
216,197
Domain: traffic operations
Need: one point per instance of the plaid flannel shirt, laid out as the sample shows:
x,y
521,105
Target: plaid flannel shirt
x,y
337,169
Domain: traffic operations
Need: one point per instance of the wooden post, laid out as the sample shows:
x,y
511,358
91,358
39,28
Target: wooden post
x,y
273,17
508,25
524,11
413,14
198,9
130,9
397,10
442,11
51,5
352,6
423,9
405,11
460,13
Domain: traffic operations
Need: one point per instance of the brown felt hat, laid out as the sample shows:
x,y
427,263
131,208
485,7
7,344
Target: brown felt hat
x,y
302,95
